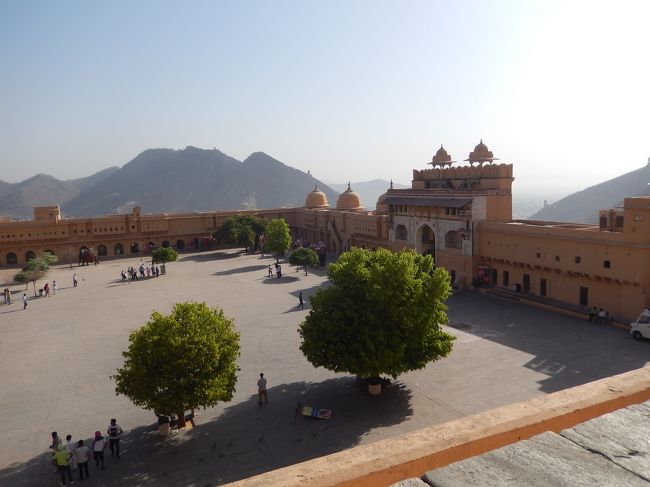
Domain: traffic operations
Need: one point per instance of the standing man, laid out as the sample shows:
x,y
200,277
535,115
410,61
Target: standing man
x,y
54,286
24,301
74,280
261,390
301,304
114,434
270,274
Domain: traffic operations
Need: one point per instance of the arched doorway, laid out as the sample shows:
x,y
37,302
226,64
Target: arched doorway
x,y
30,254
165,243
12,259
180,244
118,249
401,233
102,250
426,241
135,248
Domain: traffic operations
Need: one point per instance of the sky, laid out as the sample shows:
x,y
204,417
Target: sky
x,y
350,90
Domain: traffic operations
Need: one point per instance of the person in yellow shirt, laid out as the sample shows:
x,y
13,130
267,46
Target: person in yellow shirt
x,y
62,460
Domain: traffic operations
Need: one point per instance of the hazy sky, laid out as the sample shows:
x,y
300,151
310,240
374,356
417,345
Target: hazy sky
x,y
351,90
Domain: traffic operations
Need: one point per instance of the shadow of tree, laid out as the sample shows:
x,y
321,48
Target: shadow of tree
x,y
283,280
212,255
240,270
244,440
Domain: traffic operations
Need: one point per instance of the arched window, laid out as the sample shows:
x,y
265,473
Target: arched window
x,y
180,245
12,259
401,233
30,254
102,250
118,249
165,243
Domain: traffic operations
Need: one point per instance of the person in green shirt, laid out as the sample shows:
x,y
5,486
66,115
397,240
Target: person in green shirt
x,y
62,461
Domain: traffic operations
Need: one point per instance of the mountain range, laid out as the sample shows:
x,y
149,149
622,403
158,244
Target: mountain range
x,y
167,180
583,206
193,179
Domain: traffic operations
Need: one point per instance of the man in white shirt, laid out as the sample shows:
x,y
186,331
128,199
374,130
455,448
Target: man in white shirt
x,y
261,390
114,434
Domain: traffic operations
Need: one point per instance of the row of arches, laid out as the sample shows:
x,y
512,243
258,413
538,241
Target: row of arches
x,y
453,238
118,249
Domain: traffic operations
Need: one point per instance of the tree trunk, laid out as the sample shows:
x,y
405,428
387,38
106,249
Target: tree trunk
x,y
34,282
306,273
180,422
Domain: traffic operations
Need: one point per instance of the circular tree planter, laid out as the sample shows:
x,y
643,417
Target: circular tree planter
x,y
374,386
163,425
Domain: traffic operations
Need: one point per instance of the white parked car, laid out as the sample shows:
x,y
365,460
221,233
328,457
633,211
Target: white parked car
x,y
641,327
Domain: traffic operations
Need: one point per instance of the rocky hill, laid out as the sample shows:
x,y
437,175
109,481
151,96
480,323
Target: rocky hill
x,y
583,206
165,181
17,200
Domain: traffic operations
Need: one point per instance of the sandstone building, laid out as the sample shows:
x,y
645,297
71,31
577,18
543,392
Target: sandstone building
x,y
461,214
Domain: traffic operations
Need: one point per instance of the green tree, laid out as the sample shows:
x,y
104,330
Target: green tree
x,y
278,237
36,269
163,255
184,360
382,315
243,230
304,257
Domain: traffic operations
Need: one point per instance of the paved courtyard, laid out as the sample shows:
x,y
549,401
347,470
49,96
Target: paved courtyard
x,y
57,357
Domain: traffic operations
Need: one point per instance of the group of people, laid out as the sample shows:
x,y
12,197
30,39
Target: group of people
x,y
47,290
598,316
69,455
141,272
278,271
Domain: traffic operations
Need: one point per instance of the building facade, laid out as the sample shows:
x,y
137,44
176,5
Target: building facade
x,y
461,215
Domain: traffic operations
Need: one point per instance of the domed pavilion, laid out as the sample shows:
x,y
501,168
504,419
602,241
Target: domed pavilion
x,y
442,158
349,200
316,199
480,155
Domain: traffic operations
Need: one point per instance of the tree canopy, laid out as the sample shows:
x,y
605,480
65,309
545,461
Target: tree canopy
x,y
184,360
278,237
36,269
164,255
382,315
243,230
304,256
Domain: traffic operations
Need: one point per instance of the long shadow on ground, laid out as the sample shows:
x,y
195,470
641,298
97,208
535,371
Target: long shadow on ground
x,y
244,440
564,349
240,270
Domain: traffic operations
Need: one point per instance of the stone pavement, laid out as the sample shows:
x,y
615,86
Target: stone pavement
x,y
56,359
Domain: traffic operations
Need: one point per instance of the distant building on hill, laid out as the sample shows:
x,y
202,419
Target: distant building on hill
x,y
460,214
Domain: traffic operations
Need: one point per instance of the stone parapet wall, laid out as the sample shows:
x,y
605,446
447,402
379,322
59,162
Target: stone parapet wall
x,y
411,455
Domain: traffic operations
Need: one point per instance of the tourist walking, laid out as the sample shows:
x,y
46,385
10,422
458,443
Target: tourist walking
x,y
74,280
54,287
83,457
301,304
114,434
270,274
261,390
46,288
99,445
24,301
61,459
